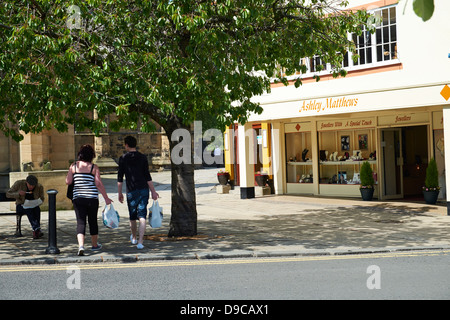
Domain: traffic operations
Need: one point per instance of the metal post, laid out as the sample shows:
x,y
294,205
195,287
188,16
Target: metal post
x,y
52,248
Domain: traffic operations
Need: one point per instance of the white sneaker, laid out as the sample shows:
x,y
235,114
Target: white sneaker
x,y
81,251
140,246
133,241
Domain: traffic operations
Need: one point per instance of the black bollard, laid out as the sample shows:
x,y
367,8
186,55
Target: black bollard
x,y
52,248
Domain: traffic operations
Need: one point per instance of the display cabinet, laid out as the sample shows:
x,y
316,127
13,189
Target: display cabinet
x,y
341,154
299,170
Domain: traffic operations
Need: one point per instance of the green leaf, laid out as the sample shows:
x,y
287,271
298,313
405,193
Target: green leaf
x,y
424,8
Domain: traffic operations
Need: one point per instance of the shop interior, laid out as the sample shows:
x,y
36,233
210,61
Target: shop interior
x,y
404,158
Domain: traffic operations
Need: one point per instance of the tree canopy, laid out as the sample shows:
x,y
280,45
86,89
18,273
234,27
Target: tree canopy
x,y
171,61
153,59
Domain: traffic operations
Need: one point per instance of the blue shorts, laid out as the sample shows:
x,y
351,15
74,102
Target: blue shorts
x,y
137,201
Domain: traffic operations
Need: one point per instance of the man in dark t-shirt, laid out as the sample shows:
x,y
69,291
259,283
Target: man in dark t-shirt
x,y
134,165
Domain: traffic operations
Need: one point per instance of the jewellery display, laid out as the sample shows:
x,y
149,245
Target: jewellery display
x,y
344,170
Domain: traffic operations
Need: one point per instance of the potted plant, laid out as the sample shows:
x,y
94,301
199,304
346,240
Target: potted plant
x,y
367,181
431,188
261,178
223,177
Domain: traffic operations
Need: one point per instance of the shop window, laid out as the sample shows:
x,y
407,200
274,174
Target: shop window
x,y
341,154
299,159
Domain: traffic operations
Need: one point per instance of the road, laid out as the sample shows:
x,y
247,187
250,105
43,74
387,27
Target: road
x,y
404,275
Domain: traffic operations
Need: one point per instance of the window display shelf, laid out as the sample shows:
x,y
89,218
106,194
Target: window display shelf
x,y
344,172
299,172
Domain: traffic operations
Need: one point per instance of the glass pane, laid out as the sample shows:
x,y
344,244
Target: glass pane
x,y
378,36
385,15
354,38
362,56
392,17
393,33
345,62
311,65
361,40
385,34
386,52
394,50
368,38
378,18
369,55
379,53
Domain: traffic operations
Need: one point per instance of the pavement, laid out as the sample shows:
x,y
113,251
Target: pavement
x,y
230,227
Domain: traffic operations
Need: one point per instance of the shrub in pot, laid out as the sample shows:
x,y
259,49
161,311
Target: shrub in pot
x,y
367,181
431,188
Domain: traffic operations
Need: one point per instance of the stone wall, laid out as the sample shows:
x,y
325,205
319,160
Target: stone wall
x,y
55,179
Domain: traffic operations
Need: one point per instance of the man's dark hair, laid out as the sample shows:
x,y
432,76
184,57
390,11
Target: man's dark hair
x,y
32,180
130,141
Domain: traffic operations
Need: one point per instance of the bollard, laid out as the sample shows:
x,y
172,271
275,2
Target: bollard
x,y
52,248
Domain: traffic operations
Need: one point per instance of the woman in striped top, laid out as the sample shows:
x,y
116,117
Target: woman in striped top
x,y
87,185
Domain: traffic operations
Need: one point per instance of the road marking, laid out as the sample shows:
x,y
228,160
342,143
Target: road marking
x,y
201,262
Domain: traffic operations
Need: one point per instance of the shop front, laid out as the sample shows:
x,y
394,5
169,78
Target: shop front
x,y
396,144
317,146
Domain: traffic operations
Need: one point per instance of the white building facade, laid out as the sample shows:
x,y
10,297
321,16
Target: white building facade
x,y
392,109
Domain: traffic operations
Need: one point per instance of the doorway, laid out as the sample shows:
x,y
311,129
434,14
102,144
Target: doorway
x,y
404,161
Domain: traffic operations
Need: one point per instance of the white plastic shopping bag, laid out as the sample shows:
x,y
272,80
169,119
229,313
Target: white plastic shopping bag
x,y
110,217
155,215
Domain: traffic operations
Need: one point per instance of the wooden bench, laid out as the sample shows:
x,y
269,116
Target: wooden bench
x,y
3,198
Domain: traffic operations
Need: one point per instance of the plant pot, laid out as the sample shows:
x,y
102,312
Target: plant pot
x,y
367,193
261,179
430,196
223,178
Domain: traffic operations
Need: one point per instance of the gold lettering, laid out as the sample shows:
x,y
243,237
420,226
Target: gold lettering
x,y
331,103
401,119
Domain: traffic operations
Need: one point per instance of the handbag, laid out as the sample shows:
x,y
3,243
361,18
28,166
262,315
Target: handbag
x,y
110,217
69,193
155,215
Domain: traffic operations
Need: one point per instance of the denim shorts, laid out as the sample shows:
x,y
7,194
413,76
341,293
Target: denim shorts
x,y
137,201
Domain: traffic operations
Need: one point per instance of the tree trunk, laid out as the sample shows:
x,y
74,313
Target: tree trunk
x,y
184,210
183,222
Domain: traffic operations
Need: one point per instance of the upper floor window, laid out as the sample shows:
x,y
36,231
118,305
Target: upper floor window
x,y
386,34
376,44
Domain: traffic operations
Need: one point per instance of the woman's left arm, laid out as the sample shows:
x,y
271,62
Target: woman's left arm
x,y
100,186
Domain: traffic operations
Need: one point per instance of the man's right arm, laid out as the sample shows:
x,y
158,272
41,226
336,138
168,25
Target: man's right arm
x,y
120,173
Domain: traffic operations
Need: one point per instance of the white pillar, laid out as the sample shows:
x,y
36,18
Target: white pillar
x,y
446,125
277,157
247,160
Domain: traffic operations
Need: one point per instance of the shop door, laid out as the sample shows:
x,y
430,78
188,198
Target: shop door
x,y
392,164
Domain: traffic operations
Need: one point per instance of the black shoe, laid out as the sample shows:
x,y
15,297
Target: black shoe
x,y
37,234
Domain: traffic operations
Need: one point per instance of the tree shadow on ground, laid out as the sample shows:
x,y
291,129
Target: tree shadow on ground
x,y
371,226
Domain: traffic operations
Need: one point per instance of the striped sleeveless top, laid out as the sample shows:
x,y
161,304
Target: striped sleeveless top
x,y
84,185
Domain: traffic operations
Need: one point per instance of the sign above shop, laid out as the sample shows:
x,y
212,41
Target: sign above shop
x,y
346,124
320,105
284,103
401,118
297,127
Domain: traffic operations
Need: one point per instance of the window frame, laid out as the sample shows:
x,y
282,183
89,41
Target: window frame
x,y
373,48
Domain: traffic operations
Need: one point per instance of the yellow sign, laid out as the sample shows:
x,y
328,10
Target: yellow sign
x,y
328,103
346,124
445,93
401,118
297,127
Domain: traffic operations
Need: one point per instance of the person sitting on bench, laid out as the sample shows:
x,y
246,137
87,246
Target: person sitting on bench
x,y
29,195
